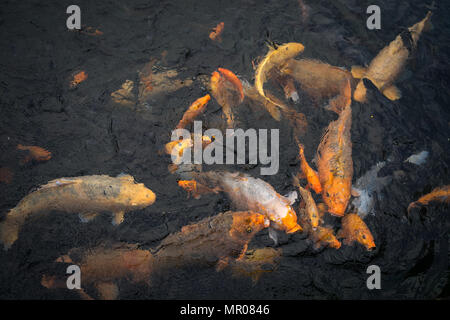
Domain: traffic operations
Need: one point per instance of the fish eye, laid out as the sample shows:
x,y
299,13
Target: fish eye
x,y
364,236
249,230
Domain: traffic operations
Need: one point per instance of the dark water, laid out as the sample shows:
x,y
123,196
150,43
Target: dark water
x,y
87,134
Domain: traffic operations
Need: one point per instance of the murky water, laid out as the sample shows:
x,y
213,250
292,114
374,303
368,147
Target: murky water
x,y
88,134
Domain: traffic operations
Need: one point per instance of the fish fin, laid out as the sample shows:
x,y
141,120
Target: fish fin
x,y
273,235
107,290
358,72
291,197
87,216
117,217
392,93
59,183
355,192
360,92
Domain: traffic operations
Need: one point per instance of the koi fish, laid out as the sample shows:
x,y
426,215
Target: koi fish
x,y
176,148
438,194
194,110
309,173
215,35
335,163
353,229
78,78
6,175
256,262
227,90
311,209
321,81
248,193
86,195
388,64
213,241
102,267
324,237
275,58
35,153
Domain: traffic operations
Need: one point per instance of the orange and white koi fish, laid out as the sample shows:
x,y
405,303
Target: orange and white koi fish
x,y
389,63
353,229
102,267
248,193
441,194
215,35
312,212
335,163
227,90
194,110
86,196
35,153
177,147
309,173
275,58
78,78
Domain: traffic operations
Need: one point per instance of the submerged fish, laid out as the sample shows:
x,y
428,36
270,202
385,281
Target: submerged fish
x,y
321,81
309,173
312,212
353,229
194,110
366,186
217,32
213,241
418,158
256,262
324,237
102,267
441,194
177,148
248,193
35,153
335,164
388,64
228,91
85,195
275,58
78,78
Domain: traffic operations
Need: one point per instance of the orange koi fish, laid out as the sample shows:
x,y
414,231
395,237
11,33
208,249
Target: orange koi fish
x,y
335,163
233,79
354,229
324,236
310,174
215,35
311,209
78,78
194,110
438,194
35,153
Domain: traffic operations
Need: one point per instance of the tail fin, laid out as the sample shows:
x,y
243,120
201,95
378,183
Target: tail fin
x,y
9,229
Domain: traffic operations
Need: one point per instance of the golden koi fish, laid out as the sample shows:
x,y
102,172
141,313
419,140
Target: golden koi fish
x,y
388,64
275,58
85,195
309,173
194,110
311,209
324,237
354,229
335,163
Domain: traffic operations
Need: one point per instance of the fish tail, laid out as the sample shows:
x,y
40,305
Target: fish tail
x,y
9,228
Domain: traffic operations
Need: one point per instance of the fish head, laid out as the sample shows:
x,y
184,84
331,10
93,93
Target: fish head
x,y
364,237
294,48
246,224
136,195
326,235
289,221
